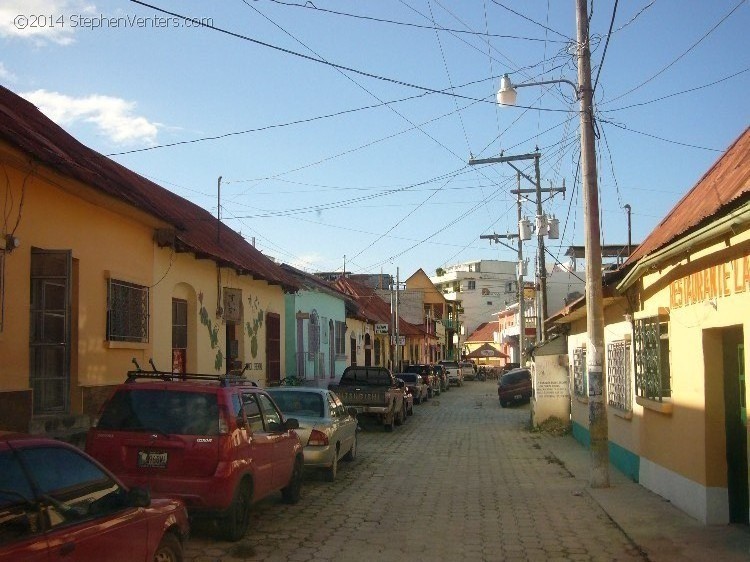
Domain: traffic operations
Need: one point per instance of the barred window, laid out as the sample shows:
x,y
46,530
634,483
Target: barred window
x,y
618,376
652,376
472,285
579,372
340,347
127,311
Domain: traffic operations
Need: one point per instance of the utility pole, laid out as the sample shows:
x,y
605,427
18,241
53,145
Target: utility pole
x,y
540,223
398,334
519,273
594,300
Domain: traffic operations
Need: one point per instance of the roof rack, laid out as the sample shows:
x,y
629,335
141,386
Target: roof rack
x,y
224,380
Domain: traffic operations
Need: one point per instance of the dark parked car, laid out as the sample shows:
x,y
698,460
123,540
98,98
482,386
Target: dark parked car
x,y
428,376
218,443
442,373
514,386
57,503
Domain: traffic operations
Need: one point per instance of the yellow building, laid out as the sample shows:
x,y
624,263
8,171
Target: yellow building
x,y
102,268
676,331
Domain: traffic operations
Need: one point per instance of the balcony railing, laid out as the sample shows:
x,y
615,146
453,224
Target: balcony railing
x,y
451,324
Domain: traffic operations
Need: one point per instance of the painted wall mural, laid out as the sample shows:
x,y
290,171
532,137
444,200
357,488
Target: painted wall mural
x,y
254,325
213,333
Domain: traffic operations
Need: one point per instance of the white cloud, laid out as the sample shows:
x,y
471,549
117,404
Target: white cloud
x,y
42,21
112,116
6,75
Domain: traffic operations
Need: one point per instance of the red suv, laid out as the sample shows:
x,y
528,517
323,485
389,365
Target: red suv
x,y
219,443
58,503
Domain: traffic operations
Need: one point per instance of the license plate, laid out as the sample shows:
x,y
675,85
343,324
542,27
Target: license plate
x,y
518,396
152,459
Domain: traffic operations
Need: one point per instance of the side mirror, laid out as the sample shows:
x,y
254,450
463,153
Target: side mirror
x,y
138,497
401,384
240,422
291,423
352,411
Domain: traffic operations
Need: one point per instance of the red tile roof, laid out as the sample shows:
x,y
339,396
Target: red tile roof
x,y
484,332
373,308
721,186
24,127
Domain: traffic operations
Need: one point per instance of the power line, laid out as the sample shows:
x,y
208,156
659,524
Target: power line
x,y
693,46
310,6
520,15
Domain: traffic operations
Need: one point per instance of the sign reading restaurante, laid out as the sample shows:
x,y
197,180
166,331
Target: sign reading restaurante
x,y
722,280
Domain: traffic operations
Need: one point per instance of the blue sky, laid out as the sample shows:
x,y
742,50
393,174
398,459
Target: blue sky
x,y
318,162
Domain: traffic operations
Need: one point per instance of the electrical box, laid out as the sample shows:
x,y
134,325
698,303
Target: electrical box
x,y
524,229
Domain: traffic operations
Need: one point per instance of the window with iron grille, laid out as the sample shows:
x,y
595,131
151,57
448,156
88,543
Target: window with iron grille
x,y
618,376
651,339
127,311
472,285
340,340
579,372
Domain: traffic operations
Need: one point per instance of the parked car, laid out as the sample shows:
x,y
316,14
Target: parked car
x,y
218,443
467,370
514,386
416,385
428,376
373,391
57,502
327,428
408,397
442,375
453,371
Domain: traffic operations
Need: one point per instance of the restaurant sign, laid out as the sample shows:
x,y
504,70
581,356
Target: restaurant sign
x,y
722,280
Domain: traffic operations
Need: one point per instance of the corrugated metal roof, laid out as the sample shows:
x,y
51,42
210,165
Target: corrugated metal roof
x,y
23,126
721,186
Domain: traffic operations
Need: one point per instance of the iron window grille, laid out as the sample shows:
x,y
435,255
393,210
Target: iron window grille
x,y
579,372
127,312
619,376
652,374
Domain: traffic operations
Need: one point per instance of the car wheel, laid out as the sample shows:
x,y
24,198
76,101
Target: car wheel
x,y
410,411
333,470
401,417
293,490
390,425
169,549
352,453
503,404
237,519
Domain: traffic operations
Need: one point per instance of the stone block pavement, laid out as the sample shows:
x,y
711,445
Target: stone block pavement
x,y
466,480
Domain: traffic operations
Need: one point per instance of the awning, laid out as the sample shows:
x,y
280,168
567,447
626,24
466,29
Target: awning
x,y
486,351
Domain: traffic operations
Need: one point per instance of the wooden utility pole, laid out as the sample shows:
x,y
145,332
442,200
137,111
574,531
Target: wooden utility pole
x,y
594,302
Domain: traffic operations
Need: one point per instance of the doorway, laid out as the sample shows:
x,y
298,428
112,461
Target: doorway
x,y
49,345
735,418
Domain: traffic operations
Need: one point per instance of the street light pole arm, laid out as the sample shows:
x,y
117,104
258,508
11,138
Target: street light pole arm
x,y
543,82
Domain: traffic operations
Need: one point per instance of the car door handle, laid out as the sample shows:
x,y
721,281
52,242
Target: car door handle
x,y
67,548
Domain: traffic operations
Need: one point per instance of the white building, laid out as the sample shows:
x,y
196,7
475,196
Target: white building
x,y
479,289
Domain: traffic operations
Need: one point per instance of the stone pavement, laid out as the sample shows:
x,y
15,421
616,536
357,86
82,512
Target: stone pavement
x,y
465,480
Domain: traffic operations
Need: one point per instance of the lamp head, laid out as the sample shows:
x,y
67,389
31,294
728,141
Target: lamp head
x,y
507,93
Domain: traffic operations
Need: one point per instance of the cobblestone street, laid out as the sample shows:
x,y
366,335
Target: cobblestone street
x,y
463,479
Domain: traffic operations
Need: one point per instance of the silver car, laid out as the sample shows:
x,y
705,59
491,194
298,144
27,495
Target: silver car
x,y
327,429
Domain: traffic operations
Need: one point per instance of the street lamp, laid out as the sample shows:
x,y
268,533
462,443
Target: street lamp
x,y
594,299
507,94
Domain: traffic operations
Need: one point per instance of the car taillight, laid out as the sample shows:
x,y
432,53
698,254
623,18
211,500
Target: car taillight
x,y
223,422
317,437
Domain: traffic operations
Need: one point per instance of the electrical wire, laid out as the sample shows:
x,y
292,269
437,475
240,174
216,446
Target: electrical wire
x,y
683,54
606,44
520,15
310,6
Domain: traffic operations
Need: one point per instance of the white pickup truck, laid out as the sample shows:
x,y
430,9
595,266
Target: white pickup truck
x,y
453,370
467,370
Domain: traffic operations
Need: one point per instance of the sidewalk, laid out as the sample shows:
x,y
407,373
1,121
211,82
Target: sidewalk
x,y
661,531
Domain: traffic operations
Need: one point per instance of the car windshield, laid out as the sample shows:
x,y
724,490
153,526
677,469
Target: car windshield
x,y
407,377
162,411
298,402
